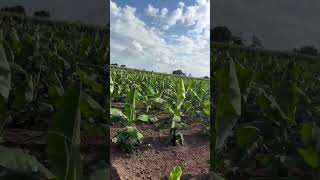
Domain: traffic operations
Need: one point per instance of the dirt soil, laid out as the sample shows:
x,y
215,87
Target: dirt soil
x,y
153,160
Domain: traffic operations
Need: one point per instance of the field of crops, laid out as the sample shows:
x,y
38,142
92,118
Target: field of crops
x,y
159,121
264,109
266,115
53,99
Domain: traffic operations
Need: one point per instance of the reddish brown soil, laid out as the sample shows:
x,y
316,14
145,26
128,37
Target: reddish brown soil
x,y
153,160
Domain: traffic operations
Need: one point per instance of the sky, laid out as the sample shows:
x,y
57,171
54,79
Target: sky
x,y
161,36
281,25
93,12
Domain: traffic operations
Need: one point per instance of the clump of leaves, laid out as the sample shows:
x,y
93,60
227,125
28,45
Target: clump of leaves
x,y
147,118
128,139
175,173
310,152
175,138
117,116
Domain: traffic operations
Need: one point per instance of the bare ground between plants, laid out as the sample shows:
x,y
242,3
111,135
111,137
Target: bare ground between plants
x,y
153,160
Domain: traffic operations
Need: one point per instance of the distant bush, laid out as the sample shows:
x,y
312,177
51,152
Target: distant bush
x,y
178,72
206,77
237,40
42,14
14,9
309,50
123,65
221,34
115,64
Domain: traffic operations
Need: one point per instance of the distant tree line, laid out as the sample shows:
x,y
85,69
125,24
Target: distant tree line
x,y
309,50
116,64
14,9
20,10
222,34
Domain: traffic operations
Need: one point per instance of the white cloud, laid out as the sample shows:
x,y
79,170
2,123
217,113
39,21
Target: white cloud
x,y
164,12
181,4
173,17
197,15
137,46
151,11
149,48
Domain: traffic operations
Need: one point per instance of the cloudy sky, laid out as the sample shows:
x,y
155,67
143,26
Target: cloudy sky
x,y
161,35
284,24
94,12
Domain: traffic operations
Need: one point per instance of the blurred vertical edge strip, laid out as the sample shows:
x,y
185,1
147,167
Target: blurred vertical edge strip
x,y
212,96
107,86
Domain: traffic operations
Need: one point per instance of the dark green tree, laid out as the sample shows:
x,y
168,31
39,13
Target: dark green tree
x,y
42,14
221,34
309,50
178,72
14,9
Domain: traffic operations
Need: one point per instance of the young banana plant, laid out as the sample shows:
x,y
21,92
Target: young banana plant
x,y
129,114
174,109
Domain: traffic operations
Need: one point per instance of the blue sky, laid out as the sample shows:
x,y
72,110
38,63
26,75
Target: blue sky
x,y
161,35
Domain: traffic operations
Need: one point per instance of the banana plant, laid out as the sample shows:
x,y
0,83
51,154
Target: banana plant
x,y
266,115
128,139
175,173
64,136
129,115
130,105
37,63
175,110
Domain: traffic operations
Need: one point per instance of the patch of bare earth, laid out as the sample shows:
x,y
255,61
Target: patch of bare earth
x,y
153,160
